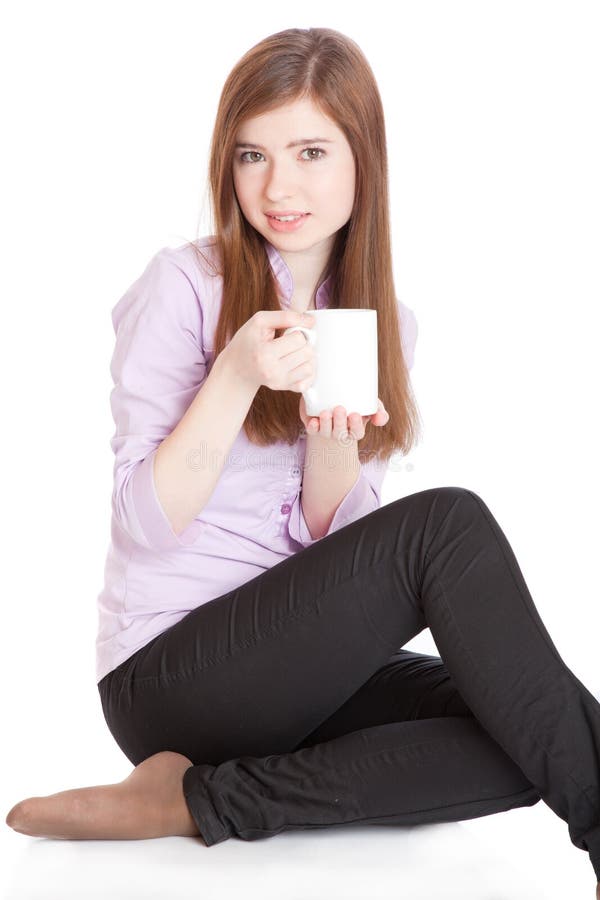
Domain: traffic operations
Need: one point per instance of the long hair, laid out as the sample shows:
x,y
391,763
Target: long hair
x,y
328,68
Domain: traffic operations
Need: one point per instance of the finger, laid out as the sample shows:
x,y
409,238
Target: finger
x,y
302,410
381,416
340,423
326,423
283,318
356,426
289,343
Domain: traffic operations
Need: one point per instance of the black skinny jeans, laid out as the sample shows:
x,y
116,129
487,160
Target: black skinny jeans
x,y
290,695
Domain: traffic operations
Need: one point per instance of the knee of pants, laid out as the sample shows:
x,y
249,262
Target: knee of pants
x,y
446,496
454,492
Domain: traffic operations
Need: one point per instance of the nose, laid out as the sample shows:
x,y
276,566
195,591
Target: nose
x,y
280,181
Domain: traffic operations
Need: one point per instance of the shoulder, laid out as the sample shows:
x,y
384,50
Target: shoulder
x,y
192,272
198,260
177,287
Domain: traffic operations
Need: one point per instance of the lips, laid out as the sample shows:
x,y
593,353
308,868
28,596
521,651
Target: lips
x,y
285,212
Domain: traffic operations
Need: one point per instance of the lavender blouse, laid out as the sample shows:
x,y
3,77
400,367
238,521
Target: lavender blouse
x,y
164,326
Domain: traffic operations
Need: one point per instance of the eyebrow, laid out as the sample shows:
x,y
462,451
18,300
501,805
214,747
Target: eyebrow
x,y
297,143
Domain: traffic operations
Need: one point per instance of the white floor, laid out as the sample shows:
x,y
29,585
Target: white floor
x,y
524,854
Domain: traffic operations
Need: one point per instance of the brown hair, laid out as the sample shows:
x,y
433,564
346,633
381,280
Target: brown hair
x,y
330,69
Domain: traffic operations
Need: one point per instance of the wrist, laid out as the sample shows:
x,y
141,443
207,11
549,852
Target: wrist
x,y
225,365
344,444
330,453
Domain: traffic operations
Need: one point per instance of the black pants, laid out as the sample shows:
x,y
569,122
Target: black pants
x,y
291,697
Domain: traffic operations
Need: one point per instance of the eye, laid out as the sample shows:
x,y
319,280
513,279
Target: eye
x,y
306,150
314,150
245,153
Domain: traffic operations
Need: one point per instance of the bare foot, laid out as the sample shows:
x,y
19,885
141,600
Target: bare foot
x,y
148,803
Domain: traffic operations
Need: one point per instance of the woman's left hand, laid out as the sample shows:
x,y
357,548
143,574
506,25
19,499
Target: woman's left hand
x,y
335,424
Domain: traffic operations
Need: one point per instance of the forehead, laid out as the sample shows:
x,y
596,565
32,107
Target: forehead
x,y
295,119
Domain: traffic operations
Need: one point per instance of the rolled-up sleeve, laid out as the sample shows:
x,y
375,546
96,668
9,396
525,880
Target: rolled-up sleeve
x,y
363,497
365,494
157,367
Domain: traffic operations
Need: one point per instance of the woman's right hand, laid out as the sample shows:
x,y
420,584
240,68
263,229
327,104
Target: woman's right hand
x,y
285,363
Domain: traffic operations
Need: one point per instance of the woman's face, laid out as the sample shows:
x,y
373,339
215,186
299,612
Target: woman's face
x,y
275,176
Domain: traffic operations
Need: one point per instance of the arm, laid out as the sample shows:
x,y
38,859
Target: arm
x,y
363,496
335,489
189,462
354,486
165,405
329,475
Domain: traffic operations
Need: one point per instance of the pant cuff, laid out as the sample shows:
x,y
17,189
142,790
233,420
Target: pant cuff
x,y
201,806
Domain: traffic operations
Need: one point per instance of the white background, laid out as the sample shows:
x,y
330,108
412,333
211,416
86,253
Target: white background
x,y
494,140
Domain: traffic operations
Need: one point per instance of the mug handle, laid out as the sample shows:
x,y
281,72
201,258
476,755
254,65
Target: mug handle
x,y
309,394
309,334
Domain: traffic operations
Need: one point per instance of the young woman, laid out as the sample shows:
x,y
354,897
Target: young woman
x,y
257,595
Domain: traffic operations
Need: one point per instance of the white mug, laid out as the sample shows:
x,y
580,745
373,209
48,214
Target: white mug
x,y
345,343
